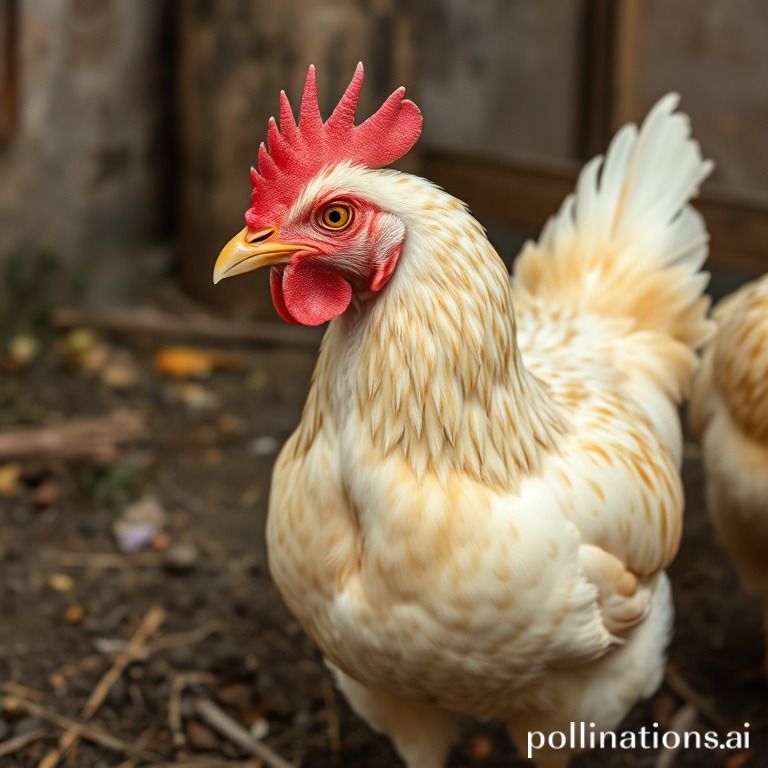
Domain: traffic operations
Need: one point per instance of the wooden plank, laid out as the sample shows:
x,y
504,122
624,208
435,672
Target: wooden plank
x,y
597,76
8,42
715,55
609,50
626,42
525,196
503,76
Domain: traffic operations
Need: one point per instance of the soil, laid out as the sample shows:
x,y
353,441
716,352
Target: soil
x,y
207,460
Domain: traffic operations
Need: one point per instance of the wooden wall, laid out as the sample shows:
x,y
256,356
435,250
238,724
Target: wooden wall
x,y
502,78
84,151
715,54
575,72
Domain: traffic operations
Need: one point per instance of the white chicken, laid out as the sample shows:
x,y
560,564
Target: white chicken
x,y
729,410
475,512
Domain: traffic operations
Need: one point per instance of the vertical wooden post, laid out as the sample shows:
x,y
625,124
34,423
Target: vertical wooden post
x,y
234,58
608,71
8,43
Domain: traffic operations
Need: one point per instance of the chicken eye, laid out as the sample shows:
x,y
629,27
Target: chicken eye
x,y
336,216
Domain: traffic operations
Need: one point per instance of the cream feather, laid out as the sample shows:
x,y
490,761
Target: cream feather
x,y
729,410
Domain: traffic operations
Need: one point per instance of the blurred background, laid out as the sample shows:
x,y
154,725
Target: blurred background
x,y
141,408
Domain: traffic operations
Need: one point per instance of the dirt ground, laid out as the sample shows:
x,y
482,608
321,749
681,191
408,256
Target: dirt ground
x,y
70,599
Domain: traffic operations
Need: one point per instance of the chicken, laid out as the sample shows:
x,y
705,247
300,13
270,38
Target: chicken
x,y
729,411
475,512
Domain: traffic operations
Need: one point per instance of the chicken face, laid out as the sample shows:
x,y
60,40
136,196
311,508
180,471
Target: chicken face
x,y
328,246
323,255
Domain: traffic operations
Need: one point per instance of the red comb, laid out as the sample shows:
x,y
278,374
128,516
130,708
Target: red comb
x,y
298,151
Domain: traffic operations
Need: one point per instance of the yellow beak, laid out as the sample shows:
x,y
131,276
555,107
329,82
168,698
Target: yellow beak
x,y
249,250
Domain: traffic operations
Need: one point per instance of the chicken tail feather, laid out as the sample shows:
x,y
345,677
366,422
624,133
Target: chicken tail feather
x,y
627,243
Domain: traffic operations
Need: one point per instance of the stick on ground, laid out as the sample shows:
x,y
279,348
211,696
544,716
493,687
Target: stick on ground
x,y
136,648
197,325
17,743
221,722
88,732
682,722
684,690
97,440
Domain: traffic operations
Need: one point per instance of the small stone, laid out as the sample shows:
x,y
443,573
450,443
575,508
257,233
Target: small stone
x,y
196,397
200,737
182,557
120,372
260,729
265,445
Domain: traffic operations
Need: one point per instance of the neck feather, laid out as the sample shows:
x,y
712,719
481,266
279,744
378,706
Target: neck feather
x,y
431,365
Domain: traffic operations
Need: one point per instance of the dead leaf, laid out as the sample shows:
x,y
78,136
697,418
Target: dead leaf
x,y
74,614
10,480
183,363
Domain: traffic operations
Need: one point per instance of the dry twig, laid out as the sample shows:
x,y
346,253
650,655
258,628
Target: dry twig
x,y
180,682
97,440
198,325
136,647
183,639
221,722
88,732
208,762
682,722
331,715
15,689
684,690
17,743
110,560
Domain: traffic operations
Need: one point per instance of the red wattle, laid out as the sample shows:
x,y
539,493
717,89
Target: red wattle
x,y
309,293
276,286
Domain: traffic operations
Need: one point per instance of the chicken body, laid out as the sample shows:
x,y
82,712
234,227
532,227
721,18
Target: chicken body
x,y
729,410
476,510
